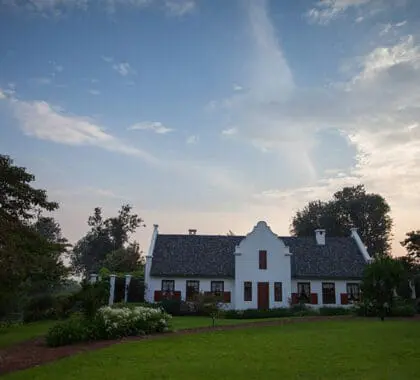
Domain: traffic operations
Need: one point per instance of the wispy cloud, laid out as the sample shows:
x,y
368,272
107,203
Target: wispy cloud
x,y
123,68
230,131
94,92
237,87
41,120
193,139
326,11
58,8
155,126
180,7
42,81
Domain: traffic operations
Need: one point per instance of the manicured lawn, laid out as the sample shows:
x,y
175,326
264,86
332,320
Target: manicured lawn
x,y
356,349
17,334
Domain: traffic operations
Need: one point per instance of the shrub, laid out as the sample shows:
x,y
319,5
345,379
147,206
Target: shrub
x,y
255,313
39,308
92,297
407,310
109,323
327,311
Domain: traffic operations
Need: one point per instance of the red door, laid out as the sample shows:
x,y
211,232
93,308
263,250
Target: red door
x,y
263,294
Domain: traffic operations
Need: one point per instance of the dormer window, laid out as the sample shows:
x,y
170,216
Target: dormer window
x,y
263,259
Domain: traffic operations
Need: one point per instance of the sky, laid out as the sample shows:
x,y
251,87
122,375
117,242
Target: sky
x,y
212,114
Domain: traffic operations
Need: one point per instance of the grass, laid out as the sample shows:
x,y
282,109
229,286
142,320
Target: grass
x,y
16,334
356,349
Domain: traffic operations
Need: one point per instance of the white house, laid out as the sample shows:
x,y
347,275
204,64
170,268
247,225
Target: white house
x,y
258,271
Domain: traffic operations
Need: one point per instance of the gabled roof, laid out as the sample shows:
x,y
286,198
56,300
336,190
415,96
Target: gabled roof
x,y
212,256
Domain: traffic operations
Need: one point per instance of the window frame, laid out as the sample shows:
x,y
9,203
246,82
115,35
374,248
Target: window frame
x,y
262,259
278,291
307,298
349,285
248,291
164,290
330,297
189,295
217,292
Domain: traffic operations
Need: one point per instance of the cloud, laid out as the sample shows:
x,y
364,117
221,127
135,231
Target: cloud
x,y
230,131
326,11
391,28
58,8
2,94
376,109
42,81
155,126
192,139
41,120
94,92
123,68
180,7
237,87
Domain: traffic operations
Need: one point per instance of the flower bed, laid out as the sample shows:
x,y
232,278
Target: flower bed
x,y
109,323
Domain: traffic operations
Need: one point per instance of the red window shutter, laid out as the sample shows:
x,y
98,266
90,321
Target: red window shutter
x,y
158,295
314,298
177,295
344,299
226,297
295,299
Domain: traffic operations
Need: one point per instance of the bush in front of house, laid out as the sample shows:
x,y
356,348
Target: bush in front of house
x,y
331,311
109,323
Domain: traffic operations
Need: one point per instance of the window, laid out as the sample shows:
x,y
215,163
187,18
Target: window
x,y
168,286
247,291
193,288
304,291
328,293
217,287
263,259
278,292
353,292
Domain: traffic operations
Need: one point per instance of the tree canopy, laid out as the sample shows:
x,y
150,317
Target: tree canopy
x,y
349,207
29,255
107,243
412,244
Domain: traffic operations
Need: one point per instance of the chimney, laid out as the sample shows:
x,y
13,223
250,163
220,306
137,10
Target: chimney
x,y
192,232
320,236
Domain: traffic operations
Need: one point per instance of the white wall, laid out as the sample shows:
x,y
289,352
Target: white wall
x,y
155,283
247,267
316,287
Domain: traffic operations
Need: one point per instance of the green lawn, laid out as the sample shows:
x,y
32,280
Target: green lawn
x,y
18,334
356,349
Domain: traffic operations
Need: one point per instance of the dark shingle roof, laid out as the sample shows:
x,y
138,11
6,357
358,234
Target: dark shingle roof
x,y
212,256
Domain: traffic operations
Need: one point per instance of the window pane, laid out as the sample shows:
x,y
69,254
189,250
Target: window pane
x,y
328,293
304,291
263,259
217,287
168,285
278,292
193,288
247,291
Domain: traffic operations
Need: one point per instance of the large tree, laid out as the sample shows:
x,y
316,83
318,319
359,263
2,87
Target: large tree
x,y
381,278
412,244
106,242
349,207
26,256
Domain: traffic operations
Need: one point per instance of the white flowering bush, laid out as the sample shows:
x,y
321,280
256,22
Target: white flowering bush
x,y
109,323
128,321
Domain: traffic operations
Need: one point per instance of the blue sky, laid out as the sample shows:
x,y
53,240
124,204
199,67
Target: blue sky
x,y
212,114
